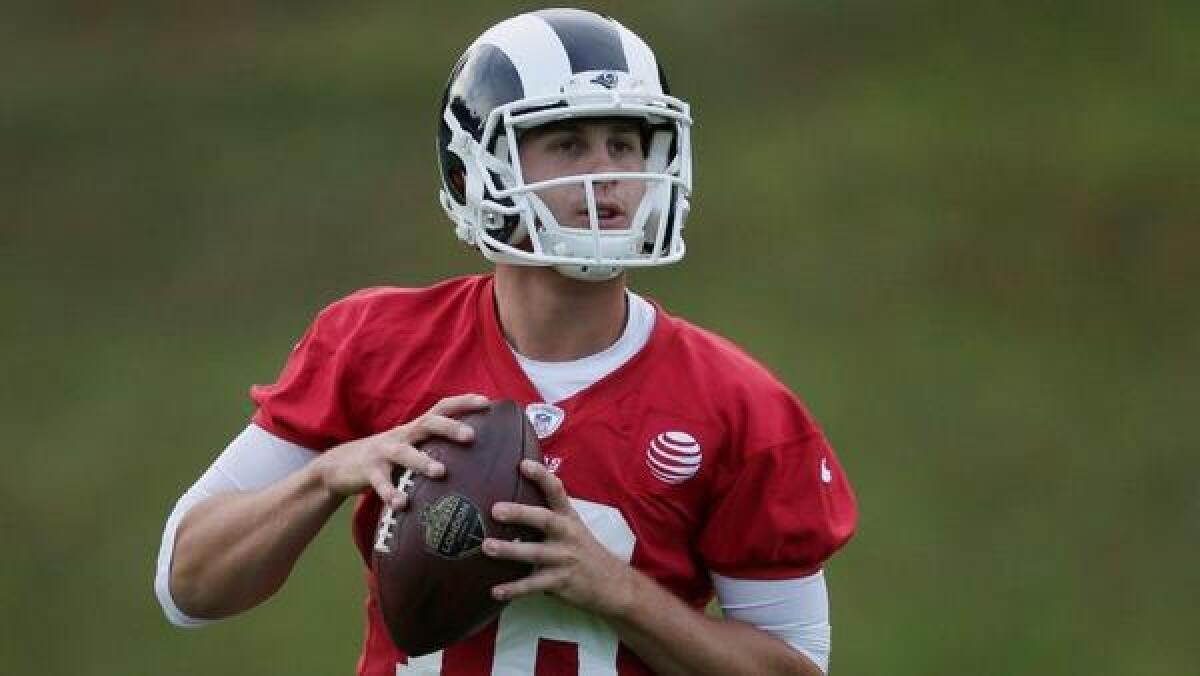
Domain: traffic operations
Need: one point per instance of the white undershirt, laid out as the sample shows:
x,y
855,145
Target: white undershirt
x,y
558,380
794,610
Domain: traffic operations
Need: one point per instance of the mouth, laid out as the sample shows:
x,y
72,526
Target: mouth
x,y
609,215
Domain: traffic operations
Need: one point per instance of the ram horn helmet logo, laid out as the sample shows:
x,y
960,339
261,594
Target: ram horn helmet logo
x,y
674,457
606,80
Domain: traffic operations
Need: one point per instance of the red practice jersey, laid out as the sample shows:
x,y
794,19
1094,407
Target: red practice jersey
x,y
689,458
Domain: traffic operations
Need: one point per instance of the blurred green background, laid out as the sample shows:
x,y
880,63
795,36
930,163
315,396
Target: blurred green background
x,y
966,233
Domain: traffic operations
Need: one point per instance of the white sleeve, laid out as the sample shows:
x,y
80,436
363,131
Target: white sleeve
x,y
254,459
795,611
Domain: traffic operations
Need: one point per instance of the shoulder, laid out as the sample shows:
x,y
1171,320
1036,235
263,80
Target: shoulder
x,y
709,373
718,360
387,311
384,303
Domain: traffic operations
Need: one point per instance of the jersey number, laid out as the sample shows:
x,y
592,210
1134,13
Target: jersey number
x,y
527,620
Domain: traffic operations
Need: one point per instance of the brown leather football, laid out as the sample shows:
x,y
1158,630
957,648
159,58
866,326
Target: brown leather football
x,y
434,581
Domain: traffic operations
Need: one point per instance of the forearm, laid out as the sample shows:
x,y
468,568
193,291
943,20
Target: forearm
x,y
673,638
234,550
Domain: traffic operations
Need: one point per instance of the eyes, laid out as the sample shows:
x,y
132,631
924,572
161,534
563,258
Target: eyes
x,y
571,148
574,145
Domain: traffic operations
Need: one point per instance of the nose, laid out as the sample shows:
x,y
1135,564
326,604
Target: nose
x,y
602,159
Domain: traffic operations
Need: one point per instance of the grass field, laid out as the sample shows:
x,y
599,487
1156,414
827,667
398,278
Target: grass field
x,y
966,234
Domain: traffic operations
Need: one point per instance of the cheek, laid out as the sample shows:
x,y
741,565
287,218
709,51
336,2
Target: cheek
x,y
557,199
532,171
536,166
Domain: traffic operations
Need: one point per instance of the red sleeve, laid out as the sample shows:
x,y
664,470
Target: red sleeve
x,y
308,403
782,510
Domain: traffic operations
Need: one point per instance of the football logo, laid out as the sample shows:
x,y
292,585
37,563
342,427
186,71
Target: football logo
x,y
453,527
674,457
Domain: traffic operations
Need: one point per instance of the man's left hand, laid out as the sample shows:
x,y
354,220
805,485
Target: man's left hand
x,y
570,562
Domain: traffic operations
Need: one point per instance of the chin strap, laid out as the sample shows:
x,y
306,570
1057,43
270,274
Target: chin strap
x,y
590,273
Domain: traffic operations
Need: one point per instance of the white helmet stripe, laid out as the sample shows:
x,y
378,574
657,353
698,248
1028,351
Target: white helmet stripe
x,y
642,63
525,39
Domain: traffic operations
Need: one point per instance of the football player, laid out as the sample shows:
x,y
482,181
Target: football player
x,y
677,467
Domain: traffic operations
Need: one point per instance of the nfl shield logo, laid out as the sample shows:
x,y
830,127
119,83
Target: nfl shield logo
x,y
545,418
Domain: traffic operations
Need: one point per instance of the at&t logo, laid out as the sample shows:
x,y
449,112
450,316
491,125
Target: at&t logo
x,y
674,457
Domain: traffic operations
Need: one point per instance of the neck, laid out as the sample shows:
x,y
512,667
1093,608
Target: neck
x,y
549,317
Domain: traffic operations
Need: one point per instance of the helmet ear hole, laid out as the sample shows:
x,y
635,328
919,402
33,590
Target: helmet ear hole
x,y
458,179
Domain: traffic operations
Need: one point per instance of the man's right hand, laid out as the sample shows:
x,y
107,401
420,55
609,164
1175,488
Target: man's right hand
x,y
347,469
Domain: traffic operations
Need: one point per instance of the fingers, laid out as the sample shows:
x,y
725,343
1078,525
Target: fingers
x,y
399,454
459,404
431,425
557,521
553,524
551,485
440,421
545,579
372,461
537,553
380,465
382,484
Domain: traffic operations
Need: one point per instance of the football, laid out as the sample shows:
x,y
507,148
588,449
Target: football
x,y
433,580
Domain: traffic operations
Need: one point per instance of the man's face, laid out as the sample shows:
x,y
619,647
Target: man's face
x,y
573,147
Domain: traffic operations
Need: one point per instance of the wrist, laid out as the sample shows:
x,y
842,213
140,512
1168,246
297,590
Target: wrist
x,y
629,589
317,479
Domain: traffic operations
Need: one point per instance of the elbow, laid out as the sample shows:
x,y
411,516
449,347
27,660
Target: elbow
x,y
800,663
188,597
180,586
173,597
177,600
199,590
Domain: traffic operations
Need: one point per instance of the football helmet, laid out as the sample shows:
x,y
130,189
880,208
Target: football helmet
x,y
543,67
